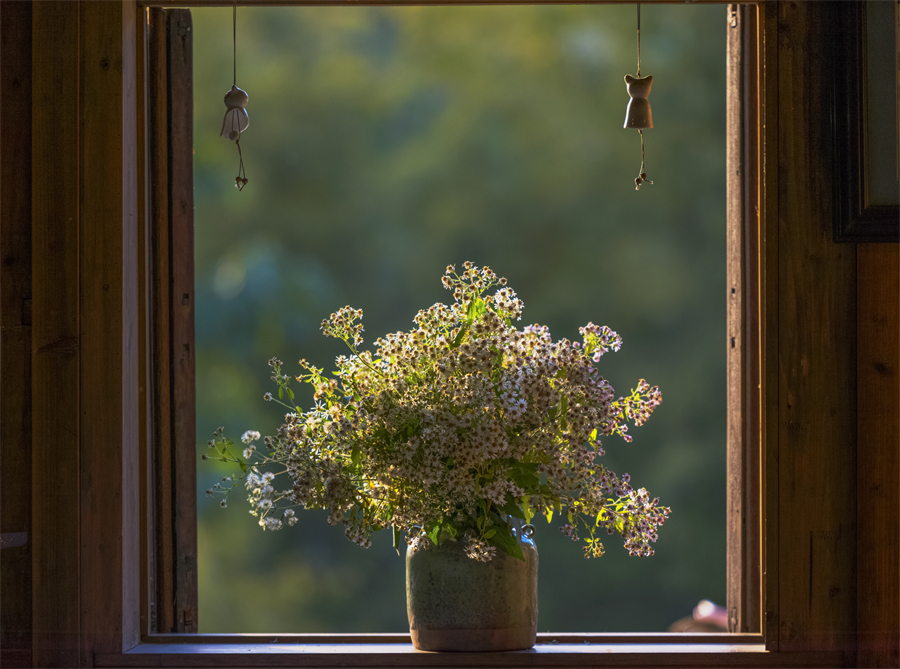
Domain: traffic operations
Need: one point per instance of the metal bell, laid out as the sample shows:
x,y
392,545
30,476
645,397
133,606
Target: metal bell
x,y
638,114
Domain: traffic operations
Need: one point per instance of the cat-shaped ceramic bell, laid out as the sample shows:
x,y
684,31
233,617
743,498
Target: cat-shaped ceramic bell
x,y
638,114
236,118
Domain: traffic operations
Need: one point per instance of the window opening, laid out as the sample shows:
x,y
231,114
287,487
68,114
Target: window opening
x,y
389,142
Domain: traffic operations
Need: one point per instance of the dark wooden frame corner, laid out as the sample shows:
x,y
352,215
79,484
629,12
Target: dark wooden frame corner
x,y
855,219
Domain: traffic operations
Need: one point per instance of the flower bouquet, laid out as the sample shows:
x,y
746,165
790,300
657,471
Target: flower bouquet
x,y
457,430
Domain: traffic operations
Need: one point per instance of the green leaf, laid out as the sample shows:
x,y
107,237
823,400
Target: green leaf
x,y
242,466
290,393
512,509
471,311
281,392
490,533
459,337
434,533
526,508
526,481
506,542
396,539
354,455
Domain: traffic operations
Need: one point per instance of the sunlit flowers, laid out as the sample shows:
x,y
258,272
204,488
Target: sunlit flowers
x,y
453,430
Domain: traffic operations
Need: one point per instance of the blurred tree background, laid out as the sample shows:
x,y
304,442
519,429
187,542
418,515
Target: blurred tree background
x,y
384,144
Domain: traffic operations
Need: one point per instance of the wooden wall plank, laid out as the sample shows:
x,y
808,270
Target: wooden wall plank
x,y
145,337
769,309
132,307
816,366
145,401
15,331
181,213
878,455
56,342
108,301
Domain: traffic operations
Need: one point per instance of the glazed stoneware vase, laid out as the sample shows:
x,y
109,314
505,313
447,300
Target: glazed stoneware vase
x,y
456,603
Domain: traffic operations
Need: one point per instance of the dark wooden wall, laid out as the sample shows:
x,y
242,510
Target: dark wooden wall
x,y
69,251
833,377
15,329
833,389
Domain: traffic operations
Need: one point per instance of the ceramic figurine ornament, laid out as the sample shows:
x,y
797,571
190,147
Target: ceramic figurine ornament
x,y
638,114
236,118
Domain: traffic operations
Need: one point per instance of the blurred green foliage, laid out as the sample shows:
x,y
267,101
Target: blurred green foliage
x,y
385,143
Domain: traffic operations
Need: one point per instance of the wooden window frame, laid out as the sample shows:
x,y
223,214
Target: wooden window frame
x,y
111,444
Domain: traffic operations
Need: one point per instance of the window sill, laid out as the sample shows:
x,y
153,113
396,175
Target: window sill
x,y
395,650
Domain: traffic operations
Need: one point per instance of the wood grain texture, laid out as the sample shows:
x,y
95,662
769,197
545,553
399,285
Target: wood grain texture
x,y
743,554
171,169
878,472
768,204
145,396
15,329
108,324
816,378
56,335
181,218
132,307
162,587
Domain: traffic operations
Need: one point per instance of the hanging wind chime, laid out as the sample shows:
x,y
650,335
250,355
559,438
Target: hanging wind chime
x,y
236,118
638,113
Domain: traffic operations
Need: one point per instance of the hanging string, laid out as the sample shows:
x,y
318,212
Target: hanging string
x,y
241,179
234,41
638,40
642,178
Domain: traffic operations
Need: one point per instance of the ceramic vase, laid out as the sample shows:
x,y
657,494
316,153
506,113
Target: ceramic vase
x,y
456,603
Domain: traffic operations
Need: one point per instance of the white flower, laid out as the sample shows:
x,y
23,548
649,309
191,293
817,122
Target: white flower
x,y
250,435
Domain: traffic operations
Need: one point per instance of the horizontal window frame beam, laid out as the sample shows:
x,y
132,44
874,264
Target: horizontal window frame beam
x,y
395,650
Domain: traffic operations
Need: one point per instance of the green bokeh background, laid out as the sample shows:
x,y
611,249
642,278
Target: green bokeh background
x,y
385,143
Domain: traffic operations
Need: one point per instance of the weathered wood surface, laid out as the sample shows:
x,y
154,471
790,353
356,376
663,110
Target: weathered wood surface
x,y
162,617
171,169
181,217
743,556
56,335
15,331
878,454
816,405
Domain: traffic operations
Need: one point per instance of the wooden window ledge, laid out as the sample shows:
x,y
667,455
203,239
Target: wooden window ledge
x,y
395,650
